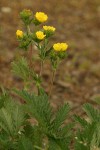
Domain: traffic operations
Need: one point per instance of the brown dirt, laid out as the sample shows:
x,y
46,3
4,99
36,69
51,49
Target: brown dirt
x,y
77,23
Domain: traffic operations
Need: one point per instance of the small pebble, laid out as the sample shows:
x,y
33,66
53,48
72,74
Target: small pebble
x,y
6,9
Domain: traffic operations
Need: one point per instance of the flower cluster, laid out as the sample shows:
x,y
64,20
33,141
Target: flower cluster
x,y
40,37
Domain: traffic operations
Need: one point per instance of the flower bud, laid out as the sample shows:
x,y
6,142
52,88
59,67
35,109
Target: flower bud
x,y
49,30
25,16
19,34
26,13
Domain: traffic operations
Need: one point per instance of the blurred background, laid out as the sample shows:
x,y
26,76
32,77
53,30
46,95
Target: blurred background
x,y
78,24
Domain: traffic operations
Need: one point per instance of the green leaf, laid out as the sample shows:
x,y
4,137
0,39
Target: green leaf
x,y
3,97
21,68
6,122
25,144
65,131
12,117
60,117
38,106
92,113
34,134
88,137
80,120
58,144
18,117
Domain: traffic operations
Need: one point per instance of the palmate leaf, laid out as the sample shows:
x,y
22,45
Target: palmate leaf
x,y
55,144
6,122
3,97
5,141
60,135
38,106
25,144
60,117
88,137
80,120
64,132
12,117
93,114
18,117
34,134
21,68
38,137
95,142
84,137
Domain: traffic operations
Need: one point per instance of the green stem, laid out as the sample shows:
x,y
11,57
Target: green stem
x,y
31,49
37,147
40,74
52,82
41,68
28,29
30,55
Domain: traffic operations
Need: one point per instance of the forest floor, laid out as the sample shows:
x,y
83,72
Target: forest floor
x,y
77,23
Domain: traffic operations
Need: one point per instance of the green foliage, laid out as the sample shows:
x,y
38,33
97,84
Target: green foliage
x,y
12,118
33,124
49,125
25,144
18,131
58,144
60,116
38,107
3,97
88,137
21,68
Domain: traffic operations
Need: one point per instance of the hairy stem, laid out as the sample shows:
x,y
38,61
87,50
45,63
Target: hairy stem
x,y
41,68
28,29
30,55
30,50
52,82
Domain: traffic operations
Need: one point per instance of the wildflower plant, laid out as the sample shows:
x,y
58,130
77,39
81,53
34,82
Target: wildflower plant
x,y
40,37
33,125
48,131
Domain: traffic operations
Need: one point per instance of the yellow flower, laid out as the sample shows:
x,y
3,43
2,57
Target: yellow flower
x,y
60,46
40,35
57,47
41,17
49,28
64,46
19,34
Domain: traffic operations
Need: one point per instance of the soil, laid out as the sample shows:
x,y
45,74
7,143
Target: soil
x,y
77,23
